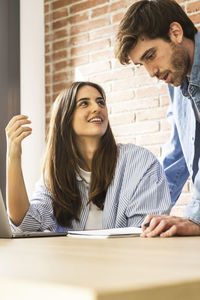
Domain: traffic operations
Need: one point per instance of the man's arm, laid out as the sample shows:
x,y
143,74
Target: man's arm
x,y
173,160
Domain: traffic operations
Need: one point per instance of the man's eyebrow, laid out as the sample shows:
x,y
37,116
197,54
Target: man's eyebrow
x,y
142,58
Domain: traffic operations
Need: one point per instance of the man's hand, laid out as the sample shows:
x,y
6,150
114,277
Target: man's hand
x,y
166,226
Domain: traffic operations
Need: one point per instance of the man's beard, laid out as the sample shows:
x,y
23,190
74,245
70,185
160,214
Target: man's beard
x,y
180,63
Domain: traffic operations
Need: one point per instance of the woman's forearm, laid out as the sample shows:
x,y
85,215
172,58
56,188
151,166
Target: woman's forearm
x,y
17,199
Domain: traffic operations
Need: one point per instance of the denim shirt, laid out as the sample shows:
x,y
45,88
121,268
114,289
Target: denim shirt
x,y
181,154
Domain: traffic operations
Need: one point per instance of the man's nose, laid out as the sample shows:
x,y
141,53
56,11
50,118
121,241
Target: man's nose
x,y
152,70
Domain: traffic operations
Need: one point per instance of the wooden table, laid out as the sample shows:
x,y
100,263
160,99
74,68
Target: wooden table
x,y
108,269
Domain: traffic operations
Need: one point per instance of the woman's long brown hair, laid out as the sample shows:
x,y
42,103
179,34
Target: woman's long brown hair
x,y
62,160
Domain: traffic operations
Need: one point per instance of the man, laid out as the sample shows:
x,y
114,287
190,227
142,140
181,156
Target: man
x,y
159,35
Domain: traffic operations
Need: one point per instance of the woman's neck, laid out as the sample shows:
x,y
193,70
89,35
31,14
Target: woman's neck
x,y
87,150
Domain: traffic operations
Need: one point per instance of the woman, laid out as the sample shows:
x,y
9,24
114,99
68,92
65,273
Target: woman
x,y
89,182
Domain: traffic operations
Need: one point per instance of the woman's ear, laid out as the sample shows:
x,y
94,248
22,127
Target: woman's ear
x,y
176,32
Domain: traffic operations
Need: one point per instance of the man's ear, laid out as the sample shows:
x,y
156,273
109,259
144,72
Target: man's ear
x,y
176,32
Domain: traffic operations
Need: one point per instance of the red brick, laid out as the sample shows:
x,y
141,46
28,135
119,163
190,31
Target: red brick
x,y
61,13
48,38
60,24
47,69
193,7
86,5
102,32
47,89
47,99
47,48
94,68
61,3
91,25
60,34
113,7
78,18
96,12
48,18
113,75
57,88
195,18
46,8
79,39
59,66
47,59
117,17
59,45
77,61
60,55
47,28
60,77
90,47
47,79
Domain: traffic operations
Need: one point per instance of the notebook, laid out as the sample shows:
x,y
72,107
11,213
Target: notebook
x,y
107,233
6,232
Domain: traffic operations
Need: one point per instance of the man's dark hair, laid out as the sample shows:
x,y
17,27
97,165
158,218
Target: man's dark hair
x,y
150,19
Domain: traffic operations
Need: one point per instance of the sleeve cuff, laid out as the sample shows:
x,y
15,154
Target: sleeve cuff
x,y
192,211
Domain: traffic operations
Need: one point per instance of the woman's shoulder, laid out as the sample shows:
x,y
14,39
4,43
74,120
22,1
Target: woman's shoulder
x,y
133,150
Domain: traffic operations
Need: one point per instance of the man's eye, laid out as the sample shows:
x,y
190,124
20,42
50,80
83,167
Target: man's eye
x,y
150,57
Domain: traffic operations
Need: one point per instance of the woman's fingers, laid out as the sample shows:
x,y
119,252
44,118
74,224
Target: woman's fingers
x,y
16,131
16,123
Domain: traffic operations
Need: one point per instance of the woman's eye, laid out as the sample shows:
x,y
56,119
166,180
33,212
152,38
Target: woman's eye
x,y
83,103
101,102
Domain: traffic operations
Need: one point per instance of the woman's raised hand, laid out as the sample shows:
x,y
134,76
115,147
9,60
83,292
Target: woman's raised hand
x,y
16,131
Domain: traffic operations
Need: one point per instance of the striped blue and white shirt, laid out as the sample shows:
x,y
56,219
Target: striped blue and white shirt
x,y
138,188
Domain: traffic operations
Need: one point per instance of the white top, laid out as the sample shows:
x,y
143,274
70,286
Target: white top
x,y
94,220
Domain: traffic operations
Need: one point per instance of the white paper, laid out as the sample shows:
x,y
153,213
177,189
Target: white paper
x,y
107,233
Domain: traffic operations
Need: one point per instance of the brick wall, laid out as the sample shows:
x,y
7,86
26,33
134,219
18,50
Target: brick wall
x,y
79,42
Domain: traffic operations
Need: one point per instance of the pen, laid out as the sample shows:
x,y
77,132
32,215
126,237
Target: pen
x,y
146,224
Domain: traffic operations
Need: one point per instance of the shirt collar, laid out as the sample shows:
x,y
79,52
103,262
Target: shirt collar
x,y
195,73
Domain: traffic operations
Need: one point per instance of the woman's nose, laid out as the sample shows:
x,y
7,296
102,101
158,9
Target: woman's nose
x,y
95,107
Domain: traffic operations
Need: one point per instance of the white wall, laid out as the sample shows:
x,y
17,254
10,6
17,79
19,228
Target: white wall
x,y
32,86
